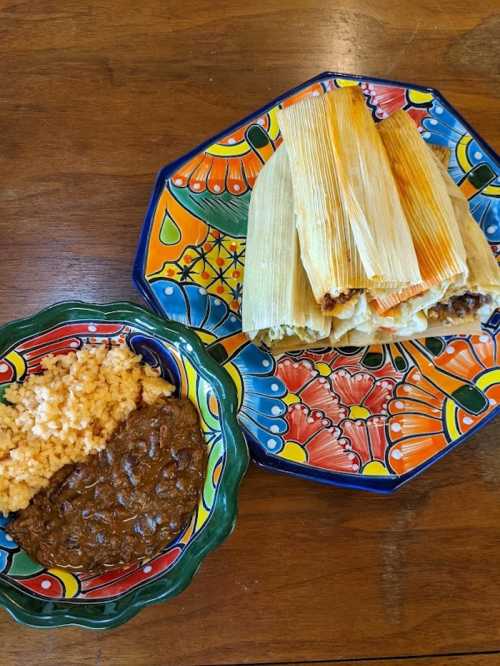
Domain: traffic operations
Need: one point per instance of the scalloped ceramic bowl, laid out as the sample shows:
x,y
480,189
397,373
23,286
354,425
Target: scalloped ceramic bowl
x,y
369,418
43,597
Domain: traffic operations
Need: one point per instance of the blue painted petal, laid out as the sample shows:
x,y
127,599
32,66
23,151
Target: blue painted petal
x,y
442,127
170,297
3,561
265,386
453,162
455,172
218,312
263,405
486,210
230,325
454,168
439,134
198,305
271,443
439,112
6,541
219,315
253,360
272,424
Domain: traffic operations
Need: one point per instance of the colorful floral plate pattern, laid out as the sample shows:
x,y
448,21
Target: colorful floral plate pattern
x,y
369,418
53,597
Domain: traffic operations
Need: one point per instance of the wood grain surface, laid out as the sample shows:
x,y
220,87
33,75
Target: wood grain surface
x,y
94,98
444,660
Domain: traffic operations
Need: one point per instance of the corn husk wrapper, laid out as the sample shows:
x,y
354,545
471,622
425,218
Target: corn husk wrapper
x,y
483,277
352,229
441,153
429,211
483,270
277,299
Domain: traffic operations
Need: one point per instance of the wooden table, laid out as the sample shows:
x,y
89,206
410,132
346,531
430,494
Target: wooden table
x,y
94,98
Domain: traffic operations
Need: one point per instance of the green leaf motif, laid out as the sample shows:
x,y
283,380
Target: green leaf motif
x,y
435,345
470,398
170,234
226,212
23,565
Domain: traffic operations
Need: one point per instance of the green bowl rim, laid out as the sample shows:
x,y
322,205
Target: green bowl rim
x,y
44,613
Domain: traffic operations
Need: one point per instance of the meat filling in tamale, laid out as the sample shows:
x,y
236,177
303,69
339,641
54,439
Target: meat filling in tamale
x,y
458,307
329,302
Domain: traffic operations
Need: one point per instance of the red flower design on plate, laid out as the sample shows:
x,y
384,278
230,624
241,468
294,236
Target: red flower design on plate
x,y
335,422
386,99
361,393
306,385
331,451
332,359
313,440
368,440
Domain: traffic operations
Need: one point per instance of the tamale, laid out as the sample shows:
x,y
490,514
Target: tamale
x,y
428,209
452,306
277,300
481,292
368,187
352,229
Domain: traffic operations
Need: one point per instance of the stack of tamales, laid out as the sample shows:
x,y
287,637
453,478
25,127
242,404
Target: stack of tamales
x,y
356,234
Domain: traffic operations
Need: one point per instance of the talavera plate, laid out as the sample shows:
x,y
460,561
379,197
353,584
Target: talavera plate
x,y
360,417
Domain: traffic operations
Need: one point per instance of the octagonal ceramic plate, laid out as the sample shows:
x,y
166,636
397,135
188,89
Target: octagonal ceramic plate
x,y
54,597
361,417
